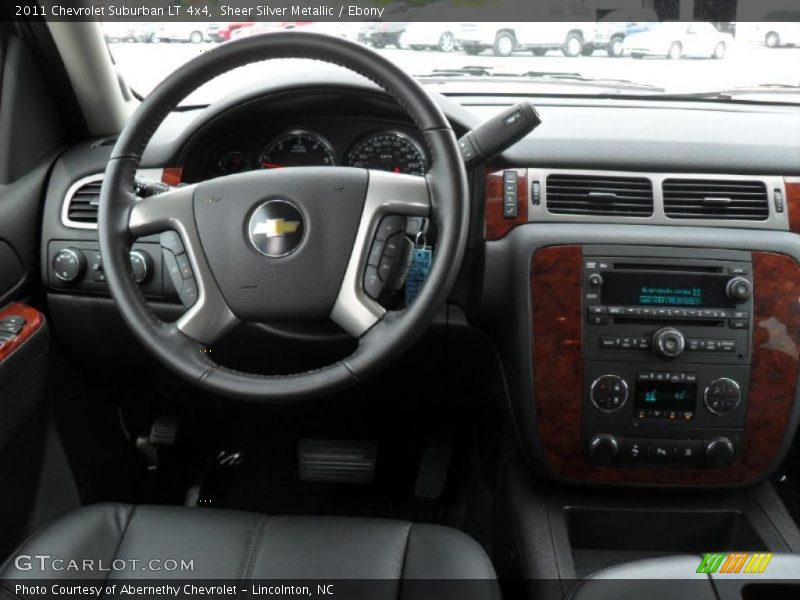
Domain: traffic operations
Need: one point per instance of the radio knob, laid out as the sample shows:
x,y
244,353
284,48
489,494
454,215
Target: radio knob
x,y
720,453
668,342
603,449
739,289
595,280
69,264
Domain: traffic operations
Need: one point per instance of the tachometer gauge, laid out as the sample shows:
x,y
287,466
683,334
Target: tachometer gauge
x,y
389,151
232,162
297,149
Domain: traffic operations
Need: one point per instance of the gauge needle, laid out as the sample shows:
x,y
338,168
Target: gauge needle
x,y
397,169
269,165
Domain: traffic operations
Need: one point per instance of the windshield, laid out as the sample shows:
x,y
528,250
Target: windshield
x,y
619,52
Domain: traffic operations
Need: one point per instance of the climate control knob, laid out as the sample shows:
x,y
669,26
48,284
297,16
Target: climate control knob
x,y
69,264
603,449
739,289
609,393
668,342
720,453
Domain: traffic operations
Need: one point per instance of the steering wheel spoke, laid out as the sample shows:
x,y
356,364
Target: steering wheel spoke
x,y
388,195
208,316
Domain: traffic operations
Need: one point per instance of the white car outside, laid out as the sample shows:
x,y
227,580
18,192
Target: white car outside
x,y
677,40
777,34
421,36
180,32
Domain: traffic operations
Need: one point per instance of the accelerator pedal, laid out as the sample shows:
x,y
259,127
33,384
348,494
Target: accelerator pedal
x,y
337,461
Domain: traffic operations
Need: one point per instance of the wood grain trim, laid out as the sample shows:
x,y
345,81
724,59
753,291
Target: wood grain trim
x,y
496,224
558,372
792,185
34,320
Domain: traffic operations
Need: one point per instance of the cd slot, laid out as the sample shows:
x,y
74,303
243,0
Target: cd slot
x,y
656,267
669,320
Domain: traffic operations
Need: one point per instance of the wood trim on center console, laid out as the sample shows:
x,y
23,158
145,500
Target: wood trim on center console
x,y
33,321
556,300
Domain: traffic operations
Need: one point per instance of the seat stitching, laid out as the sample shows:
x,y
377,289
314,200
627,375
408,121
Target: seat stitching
x,y
249,563
119,543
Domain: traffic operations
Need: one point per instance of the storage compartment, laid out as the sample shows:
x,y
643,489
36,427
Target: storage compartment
x,y
601,537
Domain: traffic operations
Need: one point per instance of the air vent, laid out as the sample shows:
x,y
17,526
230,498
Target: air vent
x,y
81,203
599,195
716,199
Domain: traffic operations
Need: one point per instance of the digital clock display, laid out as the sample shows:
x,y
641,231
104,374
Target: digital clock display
x,y
665,290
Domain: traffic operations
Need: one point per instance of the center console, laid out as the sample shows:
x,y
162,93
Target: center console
x,y
666,357
663,365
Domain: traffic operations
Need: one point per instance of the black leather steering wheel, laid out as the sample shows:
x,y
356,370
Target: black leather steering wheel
x,y
284,244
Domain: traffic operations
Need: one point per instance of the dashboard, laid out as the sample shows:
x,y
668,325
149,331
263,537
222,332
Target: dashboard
x,y
530,275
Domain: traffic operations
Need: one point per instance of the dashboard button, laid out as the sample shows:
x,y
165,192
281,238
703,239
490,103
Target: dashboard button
x,y
188,292
184,266
392,248
687,451
660,450
633,451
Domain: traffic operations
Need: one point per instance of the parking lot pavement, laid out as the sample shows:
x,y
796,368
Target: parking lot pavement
x,y
144,65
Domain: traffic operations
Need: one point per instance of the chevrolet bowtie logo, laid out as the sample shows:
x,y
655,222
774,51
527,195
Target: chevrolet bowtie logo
x,y
275,227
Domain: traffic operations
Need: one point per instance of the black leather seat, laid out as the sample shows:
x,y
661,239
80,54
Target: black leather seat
x,y
232,545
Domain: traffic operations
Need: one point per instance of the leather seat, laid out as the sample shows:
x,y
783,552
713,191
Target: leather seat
x,y
225,544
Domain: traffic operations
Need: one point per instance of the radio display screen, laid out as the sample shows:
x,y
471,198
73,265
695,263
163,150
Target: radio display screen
x,y
665,289
665,395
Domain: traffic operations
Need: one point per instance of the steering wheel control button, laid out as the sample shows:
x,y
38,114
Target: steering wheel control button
x,y
373,285
722,396
184,266
375,253
609,393
188,292
170,240
69,264
389,226
276,228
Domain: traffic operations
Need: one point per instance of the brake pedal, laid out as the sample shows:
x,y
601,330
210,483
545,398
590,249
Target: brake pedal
x,y
337,461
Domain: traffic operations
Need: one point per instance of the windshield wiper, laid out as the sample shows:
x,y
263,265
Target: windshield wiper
x,y
538,76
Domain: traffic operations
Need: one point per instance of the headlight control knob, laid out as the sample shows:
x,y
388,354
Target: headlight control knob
x,y
668,342
69,264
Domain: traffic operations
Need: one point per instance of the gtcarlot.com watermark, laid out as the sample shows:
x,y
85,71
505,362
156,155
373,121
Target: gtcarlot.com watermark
x,y
46,562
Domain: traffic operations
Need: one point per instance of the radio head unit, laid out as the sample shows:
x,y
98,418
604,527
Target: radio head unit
x,y
666,349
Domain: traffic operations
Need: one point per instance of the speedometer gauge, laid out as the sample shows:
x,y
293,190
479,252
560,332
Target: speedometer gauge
x,y
297,149
389,151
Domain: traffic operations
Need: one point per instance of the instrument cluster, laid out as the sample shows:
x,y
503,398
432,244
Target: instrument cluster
x,y
382,149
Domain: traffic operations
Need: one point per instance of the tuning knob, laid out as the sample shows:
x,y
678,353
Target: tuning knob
x,y
69,264
668,342
739,289
603,449
720,453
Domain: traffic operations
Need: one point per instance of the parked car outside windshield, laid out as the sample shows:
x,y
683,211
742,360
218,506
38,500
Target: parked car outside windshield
x,y
580,57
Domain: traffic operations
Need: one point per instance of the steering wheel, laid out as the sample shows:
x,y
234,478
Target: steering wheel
x,y
285,244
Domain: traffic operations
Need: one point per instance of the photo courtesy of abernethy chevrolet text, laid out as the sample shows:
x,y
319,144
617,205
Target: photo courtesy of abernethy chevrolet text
x,y
400,299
